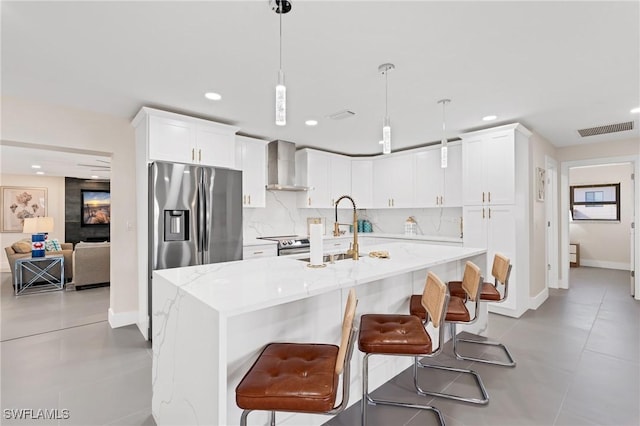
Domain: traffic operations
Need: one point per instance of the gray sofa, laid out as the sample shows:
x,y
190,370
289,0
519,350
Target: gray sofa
x,y
91,264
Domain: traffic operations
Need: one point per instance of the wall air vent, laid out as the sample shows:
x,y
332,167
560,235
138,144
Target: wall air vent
x,y
341,115
603,130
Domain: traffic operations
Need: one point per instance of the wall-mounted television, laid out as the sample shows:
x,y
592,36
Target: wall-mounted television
x,y
96,208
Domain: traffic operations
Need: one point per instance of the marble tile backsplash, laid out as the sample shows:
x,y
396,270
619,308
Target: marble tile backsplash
x,y
283,217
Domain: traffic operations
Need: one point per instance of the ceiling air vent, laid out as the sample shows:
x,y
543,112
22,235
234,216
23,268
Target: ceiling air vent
x,y
341,115
603,130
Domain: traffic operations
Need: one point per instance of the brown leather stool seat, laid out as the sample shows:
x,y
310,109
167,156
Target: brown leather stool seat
x,y
393,334
300,377
456,311
487,292
291,377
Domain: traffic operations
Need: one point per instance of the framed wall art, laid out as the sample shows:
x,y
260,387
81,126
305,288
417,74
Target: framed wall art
x,y
19,203
540,177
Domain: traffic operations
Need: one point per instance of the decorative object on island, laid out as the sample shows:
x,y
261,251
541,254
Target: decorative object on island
x,y
96,207
38,227
315,239
353,250
19,203
386,125
443,149
281,7
410,226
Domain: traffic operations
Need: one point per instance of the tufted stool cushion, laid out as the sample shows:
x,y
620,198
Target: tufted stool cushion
x,y
291,377
393,334
456,311
488,292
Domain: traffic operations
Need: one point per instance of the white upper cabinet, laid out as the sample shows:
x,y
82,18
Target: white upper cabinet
x,y
361,183
252,160
328,176
181,139
393,181
488,164
433,185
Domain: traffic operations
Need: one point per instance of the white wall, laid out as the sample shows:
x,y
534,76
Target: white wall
x,y
64,128
282,217
55,207
604,244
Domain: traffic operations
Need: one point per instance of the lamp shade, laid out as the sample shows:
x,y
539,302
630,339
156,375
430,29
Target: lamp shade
x,y
37,225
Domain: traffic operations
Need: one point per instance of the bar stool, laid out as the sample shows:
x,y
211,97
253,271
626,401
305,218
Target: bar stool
x,y
501,270
457,313
298,377
403,335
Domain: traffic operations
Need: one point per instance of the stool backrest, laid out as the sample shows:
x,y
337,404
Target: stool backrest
x,y
471,280
347,329
501,268
433,299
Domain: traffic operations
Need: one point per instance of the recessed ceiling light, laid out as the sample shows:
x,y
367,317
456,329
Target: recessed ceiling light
x,y
94,177
311,122
213,96
35,166
635,110
489,117
39,173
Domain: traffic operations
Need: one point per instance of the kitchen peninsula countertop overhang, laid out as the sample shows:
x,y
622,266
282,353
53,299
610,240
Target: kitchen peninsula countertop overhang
x,y
234,288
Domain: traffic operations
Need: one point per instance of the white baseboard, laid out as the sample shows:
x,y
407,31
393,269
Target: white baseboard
x,y
538,299
122,318
604,264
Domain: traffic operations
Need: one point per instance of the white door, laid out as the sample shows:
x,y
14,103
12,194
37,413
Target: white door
x,y
474,226
551,218
472,171
632,237
501,238
499,168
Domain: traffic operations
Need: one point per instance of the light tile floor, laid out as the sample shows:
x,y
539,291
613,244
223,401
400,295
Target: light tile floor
x,y
578,363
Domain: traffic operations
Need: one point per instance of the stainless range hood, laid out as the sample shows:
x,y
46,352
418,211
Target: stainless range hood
x,y
281,167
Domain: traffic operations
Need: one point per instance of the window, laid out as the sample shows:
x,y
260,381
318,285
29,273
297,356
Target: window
x,y
595,202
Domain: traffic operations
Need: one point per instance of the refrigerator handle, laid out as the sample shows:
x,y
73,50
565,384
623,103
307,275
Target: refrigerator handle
x,y
205,217
200,210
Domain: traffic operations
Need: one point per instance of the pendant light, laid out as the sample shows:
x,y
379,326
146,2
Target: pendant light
x,y
386,124
443,148
281,7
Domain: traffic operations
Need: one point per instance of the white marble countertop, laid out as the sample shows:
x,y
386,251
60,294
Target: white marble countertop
x,y
257,242
365,235
233,288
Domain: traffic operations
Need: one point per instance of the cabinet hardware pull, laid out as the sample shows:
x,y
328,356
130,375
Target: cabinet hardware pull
x,y
309,201
249,199
483,196
393,202
437,200
337,244
199,155
258,252
483,212
244,199
193,154
489,196
489,212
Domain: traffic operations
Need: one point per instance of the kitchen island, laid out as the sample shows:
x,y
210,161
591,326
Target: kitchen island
x,y
210,322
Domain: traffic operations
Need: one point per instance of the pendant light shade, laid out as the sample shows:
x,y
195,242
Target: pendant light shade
x,y
281,7
444,155
386,124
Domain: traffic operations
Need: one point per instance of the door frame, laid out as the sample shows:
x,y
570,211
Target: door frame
x,y
564,216
551,222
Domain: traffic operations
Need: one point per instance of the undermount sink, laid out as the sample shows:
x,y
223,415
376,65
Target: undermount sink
x,y
327,258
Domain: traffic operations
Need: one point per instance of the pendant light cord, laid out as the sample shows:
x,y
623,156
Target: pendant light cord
x,y
280,6
386,94
444,120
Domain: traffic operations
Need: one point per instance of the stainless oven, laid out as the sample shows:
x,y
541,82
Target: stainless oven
x,y
290,244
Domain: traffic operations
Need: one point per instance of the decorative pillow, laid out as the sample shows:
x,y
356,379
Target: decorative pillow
x,y
52,245
22,246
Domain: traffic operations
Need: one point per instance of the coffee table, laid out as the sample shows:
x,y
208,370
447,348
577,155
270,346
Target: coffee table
x,y
45,277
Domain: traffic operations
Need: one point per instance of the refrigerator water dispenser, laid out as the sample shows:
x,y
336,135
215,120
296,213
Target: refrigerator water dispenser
x,y
176,225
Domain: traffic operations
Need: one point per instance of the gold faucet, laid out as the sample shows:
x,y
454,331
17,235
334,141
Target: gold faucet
x,y
353,248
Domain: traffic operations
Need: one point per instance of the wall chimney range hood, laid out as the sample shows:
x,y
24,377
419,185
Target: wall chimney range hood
x,y
281,167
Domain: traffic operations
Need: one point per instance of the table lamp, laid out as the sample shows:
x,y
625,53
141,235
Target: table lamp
x,y
38,227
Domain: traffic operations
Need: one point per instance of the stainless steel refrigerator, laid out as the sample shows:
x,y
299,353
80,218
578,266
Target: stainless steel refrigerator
x,y
196,216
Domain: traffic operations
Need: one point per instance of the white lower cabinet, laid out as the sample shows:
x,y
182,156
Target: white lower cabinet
x,y
263,250
494,228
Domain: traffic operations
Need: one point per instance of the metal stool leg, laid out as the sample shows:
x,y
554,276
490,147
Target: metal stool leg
x,y
243,417
510,363
366,398
480,401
